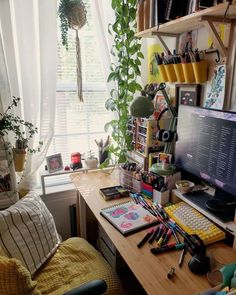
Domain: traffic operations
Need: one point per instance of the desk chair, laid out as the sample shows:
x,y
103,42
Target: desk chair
x,y
34,261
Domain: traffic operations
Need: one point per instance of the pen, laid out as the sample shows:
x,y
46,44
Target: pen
x,y
167,247
145,239
181,258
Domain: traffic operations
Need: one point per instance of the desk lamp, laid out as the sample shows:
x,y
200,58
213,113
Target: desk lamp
x,y
142,107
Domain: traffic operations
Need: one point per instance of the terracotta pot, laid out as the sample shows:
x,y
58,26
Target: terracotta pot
x,y
19,159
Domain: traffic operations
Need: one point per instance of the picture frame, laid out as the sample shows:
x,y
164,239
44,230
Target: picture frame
x,y
54,163
187,94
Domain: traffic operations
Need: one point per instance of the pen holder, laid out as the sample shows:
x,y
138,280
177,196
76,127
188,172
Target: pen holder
x,y
163,73
188,72
200,71
179,72
161,197
170,71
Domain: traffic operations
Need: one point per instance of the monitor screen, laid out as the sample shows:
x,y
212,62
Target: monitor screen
x,y
206,145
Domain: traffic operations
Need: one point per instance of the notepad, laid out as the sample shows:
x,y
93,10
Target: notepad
x,y
128,217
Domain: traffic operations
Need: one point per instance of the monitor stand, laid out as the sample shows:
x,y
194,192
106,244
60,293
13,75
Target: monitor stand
x,y
200,197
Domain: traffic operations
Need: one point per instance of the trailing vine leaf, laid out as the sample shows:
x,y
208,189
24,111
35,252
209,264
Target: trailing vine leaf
x,y
123,74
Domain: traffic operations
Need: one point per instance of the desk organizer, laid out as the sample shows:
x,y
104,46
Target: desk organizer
x,y
162,70
188,72
129,181
161,197
170,71
200,71
179,72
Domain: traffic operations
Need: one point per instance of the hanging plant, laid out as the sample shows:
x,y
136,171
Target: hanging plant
x,y
73,15
127,52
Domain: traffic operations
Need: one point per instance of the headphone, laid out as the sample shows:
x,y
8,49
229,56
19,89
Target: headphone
x,y
162,134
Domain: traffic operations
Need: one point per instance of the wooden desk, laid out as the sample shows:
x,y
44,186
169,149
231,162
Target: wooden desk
x,y
150,270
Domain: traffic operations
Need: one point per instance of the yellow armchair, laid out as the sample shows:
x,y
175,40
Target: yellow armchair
x,y
34,261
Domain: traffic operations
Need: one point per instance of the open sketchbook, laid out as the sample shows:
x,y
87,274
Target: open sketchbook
x,y
128,217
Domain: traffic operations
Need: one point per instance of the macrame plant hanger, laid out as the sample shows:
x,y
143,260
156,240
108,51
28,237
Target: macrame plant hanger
x,y
77,19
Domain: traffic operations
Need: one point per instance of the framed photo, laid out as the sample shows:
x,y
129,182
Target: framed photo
x,y
187,94
54,163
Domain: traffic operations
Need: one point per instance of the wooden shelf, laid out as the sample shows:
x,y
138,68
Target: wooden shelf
x,y
191,21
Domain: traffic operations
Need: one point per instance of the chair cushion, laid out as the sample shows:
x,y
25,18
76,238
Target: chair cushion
x,y
76,262
15,278
28,232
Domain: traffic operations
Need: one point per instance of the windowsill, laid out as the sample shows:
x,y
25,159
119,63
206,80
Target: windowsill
x,y
56,189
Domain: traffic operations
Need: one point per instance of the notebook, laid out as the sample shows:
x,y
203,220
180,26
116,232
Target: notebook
x,y
128,217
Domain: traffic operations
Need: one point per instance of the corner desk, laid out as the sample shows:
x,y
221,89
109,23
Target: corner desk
x,y
151,271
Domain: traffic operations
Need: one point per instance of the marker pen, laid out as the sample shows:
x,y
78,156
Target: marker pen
x,y
167,237
154,235
167,247
146,238
160,232
159,242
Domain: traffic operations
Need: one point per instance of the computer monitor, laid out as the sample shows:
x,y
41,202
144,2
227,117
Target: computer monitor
x,y
206,146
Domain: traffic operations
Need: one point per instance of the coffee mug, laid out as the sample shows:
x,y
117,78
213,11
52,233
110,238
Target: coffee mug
x,y
224,275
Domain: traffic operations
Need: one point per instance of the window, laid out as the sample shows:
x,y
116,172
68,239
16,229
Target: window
x,y
78,124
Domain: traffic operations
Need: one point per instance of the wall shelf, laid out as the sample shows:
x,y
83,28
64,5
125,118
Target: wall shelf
x,y
191,21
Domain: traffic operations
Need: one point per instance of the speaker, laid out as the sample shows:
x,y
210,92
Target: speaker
x,y
162,134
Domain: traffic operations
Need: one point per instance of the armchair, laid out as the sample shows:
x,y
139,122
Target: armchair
x,y
34,260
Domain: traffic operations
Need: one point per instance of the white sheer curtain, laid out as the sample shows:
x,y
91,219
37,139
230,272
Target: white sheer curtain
x,y
30,44
104,15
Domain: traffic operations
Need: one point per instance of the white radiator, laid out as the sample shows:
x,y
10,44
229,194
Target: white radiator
x,y
58,203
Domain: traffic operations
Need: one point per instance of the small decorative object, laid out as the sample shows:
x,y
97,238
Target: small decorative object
x,y
102,150
72,14
54,163
76,161
185,186
187,94
67,168
91,161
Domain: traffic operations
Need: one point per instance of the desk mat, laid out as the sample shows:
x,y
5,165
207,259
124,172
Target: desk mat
x,y
200,198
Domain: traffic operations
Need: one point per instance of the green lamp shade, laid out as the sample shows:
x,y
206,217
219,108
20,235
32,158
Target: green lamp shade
x,y
142,107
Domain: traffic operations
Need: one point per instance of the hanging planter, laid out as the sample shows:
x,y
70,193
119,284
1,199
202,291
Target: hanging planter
x,y
73,15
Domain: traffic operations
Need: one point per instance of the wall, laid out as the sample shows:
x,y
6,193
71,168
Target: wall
x,y
58,204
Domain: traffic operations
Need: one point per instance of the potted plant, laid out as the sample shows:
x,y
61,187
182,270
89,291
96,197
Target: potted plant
x,y
91,161
22,131
124,74
72,15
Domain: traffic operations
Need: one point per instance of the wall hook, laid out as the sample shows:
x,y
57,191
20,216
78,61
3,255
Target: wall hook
x,y
207,51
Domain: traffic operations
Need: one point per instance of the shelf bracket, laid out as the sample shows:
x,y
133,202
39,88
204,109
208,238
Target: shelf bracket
x,y
160,35
208,23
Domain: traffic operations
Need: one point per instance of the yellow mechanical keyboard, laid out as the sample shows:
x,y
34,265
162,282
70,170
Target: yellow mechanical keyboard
x,y
193,222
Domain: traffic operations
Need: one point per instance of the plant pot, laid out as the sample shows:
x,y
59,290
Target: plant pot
x,y
91,163
19,159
